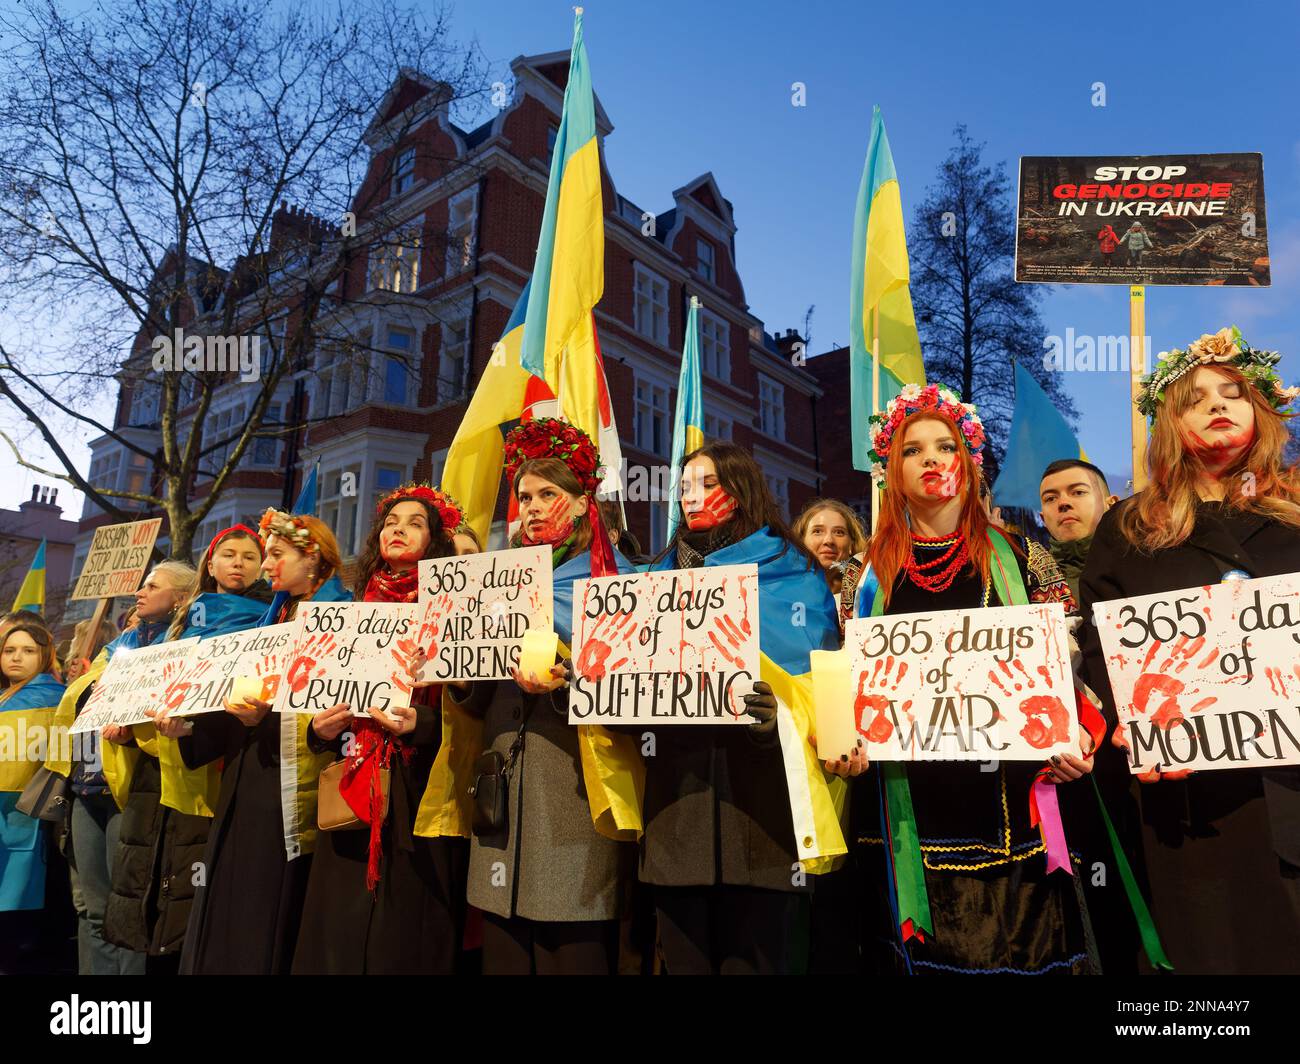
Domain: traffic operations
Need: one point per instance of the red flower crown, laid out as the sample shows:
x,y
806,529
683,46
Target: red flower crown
x,y
449,510
549,437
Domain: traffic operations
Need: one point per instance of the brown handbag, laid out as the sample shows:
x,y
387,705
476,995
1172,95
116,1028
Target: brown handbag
x,y
332,812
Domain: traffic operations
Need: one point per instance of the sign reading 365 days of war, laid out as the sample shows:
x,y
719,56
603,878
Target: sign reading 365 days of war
x,y
1209,677
669,647
964,685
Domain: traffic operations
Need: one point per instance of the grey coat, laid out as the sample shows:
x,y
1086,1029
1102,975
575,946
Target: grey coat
x,y
550,864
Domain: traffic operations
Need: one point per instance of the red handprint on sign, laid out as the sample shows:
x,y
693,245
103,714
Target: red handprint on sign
x,y
305,658
1042,734
880,727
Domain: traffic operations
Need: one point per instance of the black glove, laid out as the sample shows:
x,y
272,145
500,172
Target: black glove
x,y
761,705
561,703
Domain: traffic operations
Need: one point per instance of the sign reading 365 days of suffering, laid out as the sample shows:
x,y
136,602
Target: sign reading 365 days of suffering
x,y
353,653
964,685
1209,677
208,680
670,647
132,682
476,609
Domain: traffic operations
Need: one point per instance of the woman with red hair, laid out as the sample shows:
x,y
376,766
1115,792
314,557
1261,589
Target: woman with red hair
x,y
1222,848
992,906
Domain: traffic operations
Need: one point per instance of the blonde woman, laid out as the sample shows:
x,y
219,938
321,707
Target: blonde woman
x,y
833,534
1222,848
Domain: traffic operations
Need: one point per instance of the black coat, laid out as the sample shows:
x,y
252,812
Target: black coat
x,y
412,924
159,853
1222,848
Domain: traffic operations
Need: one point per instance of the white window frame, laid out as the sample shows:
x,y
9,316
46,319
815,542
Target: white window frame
x,y
394,264
650,290
453,360
715,346
650,399
390,352
376,491
771,407
273,417
335,506
462,216
717,428
780,489
144,403
404,171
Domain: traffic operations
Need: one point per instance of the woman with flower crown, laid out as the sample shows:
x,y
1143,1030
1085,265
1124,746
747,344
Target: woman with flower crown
x,y
254,873
975,896
552,879
381,900
1222,848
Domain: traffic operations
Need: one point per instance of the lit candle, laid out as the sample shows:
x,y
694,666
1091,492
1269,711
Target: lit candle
x,y
833,703
244,688
537,654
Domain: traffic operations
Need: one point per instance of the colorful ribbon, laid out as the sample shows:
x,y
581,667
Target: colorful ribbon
x,y
905,847
1045,815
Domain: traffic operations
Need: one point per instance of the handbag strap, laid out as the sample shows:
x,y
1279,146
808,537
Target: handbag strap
x,y
517,746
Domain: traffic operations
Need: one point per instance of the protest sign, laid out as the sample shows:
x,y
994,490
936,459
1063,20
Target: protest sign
x,y
476,609
670,647
1209,677
132,682
119,555
964,685
208,681
353,653
1150,219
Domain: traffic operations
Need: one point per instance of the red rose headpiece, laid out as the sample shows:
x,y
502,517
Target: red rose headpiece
x,y
449,510
550,437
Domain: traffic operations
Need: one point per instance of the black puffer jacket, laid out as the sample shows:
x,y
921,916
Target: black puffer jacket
x,y
159,856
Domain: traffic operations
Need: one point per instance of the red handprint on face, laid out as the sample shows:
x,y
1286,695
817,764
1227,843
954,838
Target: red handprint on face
x,y
305,657
1042,734
716,508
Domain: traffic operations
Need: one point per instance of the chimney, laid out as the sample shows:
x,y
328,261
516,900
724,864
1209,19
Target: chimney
x,y
54,495
36,490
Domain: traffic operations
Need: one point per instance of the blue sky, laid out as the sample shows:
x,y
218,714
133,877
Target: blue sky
x,y
693,87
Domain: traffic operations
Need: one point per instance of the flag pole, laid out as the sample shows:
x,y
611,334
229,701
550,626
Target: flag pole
x,y
1137,366
875,400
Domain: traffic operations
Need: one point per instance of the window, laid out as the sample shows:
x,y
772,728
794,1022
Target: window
x,y
715,346
219,428
651,428
144,403
266,452
104,469
460,231
780,488
704,260
717,428
771,408
137,478
387,477
341,372
404,171
338,506
650,305
399,367
659,526
395,263
209,528
453,360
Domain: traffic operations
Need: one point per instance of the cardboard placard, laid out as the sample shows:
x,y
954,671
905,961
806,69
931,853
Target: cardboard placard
x,y
476,608
678,646
964,685
210,673
1208,677
118,558
132,682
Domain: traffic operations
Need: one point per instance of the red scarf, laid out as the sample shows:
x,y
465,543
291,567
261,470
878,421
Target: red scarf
x,y
388,586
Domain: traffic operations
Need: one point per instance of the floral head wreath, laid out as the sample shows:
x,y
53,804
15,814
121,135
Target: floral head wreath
x,y
914,399
449,510
1226,347
289,526
550,437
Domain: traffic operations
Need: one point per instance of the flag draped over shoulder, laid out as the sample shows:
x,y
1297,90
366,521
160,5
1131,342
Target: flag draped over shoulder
x,y
796,616
880,275
688,422
31,596
25,716
1039,435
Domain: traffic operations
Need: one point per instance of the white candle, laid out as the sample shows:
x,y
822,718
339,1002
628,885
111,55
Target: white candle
x,y
537,655
244,688
833,703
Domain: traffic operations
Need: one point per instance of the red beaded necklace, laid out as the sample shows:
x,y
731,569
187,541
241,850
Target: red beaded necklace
x,y
946,566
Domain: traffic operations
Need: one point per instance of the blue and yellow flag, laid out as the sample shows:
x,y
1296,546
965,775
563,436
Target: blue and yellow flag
x,y
688,422
31,596
1039,435
879,292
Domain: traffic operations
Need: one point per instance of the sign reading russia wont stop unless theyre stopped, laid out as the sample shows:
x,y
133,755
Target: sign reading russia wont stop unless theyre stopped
x,y
119,555
1208,677
679,646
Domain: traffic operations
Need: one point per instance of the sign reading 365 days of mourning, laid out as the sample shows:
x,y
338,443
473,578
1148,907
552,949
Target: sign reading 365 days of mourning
x,y
353,653
964,685
1209,677
118,557
670,647
132,682
476,609
256,656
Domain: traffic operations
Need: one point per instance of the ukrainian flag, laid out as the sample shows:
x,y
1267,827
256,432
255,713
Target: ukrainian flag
x,y
31,596
688,423
880,283
568,278
1039,435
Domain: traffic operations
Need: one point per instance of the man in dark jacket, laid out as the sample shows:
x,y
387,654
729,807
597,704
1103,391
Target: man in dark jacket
x,y
1074,495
